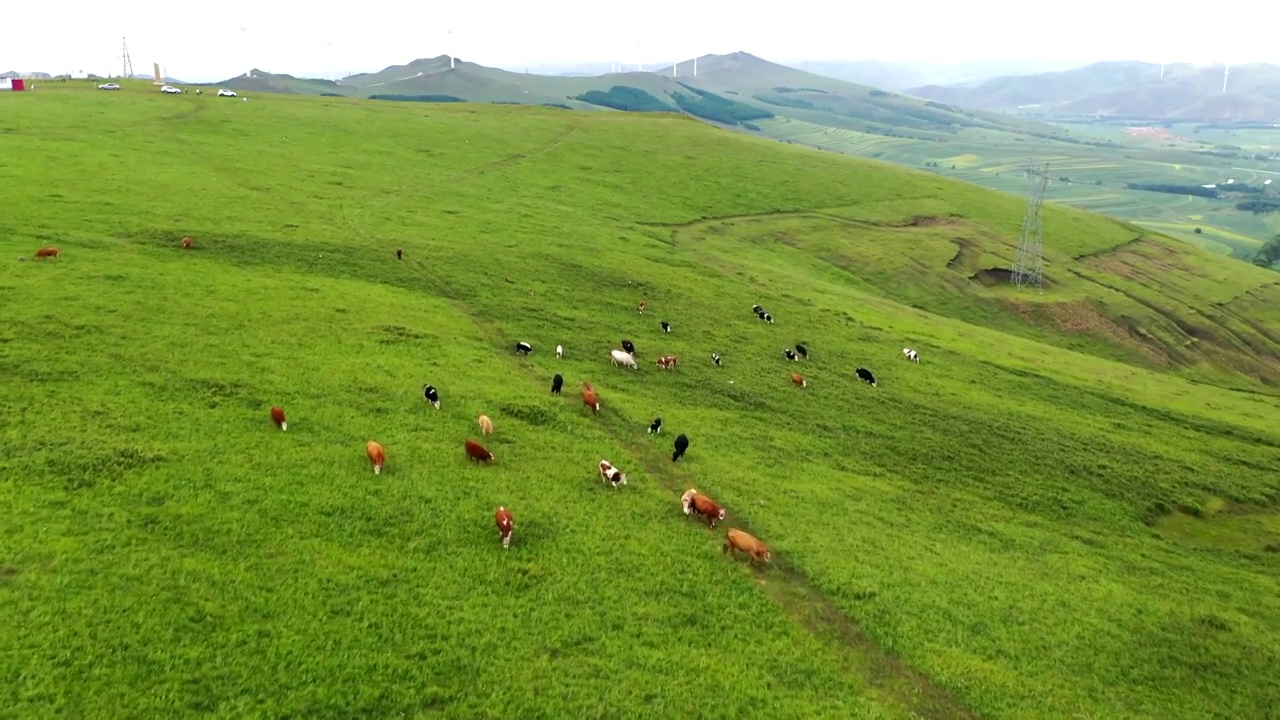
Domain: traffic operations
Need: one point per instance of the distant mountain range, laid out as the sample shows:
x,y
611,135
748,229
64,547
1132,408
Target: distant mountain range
x,y
1127,89
738,89
902,75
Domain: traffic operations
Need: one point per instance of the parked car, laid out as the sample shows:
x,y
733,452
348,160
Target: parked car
x,y
226,93
109,86
170,89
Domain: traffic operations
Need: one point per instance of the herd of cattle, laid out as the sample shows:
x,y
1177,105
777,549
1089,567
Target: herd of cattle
x,y
692,502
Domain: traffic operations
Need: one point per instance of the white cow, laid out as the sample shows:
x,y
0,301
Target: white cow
x,y
559,351
911,355
623,358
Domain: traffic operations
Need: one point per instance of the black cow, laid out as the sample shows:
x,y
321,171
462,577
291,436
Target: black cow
x,y
626,345
430,395
682,444
655,426
399,253
523,348
556,383
803,351
866,376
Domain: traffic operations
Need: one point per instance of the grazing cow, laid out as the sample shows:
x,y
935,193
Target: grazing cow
x,y
655,427
682,444
505,523
186,243
399,253
802,351
277,414
767,318
430,395
48,252
666,362
715,359
757,310
788,354
486,425
911,355
377,455
799,380
589,397
477,452
611,474
641,308
866,376
666,326
623,358
695,504
523,348
739,540
557,382
760,314
626,345
559,352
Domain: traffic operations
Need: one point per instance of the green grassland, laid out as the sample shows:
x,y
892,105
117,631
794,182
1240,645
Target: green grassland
x,y
1068,509
1097,159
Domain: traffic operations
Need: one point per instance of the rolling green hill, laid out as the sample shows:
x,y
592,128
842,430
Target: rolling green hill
x,y
1067,509
1128,89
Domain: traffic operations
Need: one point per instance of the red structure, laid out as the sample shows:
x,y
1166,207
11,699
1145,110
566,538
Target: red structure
x,y
12,84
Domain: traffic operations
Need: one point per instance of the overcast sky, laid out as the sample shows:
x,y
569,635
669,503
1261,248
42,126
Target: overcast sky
x,y
202,42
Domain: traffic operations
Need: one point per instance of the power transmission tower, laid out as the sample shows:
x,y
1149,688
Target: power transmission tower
x,y
1028,267
128,61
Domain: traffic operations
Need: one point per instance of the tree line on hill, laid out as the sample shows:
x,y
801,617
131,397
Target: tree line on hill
x,y
1256,205
702,104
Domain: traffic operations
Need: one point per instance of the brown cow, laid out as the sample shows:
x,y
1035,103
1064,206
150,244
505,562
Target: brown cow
x,y
739,540
799,380
186,243
696,504
589,397
277,414
611,474
377,455
641,307
48,252
505,523
486,425
477,452
667,362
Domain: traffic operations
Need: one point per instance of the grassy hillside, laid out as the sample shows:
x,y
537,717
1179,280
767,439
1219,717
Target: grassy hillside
x,y
1128,89
1067,509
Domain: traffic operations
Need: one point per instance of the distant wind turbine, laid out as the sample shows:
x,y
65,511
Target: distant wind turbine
x,y
1226,72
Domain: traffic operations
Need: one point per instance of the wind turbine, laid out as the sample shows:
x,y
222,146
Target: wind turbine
x,y
1226,72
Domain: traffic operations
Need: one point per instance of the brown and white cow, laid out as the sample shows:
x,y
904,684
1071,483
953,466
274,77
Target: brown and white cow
x,y
277,416
666,362
377,455
611,474
52,252
505,524
798,380
695,503
186,243
589,397
477,452
739,540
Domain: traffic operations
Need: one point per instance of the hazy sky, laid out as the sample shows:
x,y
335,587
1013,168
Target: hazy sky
x,y
202,42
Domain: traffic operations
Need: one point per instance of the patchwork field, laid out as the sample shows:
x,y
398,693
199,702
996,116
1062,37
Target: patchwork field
x,y
1068,509
1092,176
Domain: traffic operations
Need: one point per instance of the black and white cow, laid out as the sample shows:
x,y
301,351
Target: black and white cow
x,y
626,345
911,355
655,427
666,326
523,348
715,359
866,376
430,395
788,354
767,318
